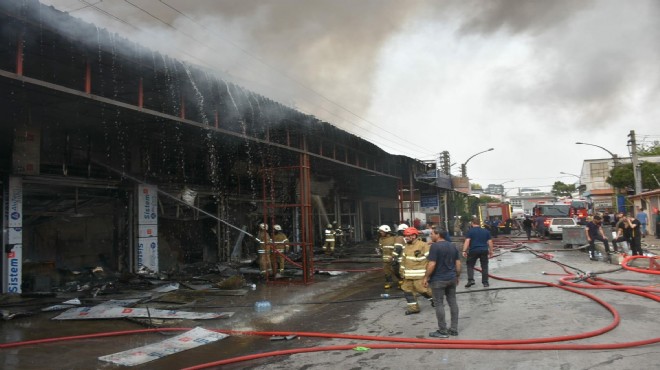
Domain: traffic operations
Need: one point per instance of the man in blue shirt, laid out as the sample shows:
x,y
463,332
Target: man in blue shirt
x,y
442,272
478,245
643,220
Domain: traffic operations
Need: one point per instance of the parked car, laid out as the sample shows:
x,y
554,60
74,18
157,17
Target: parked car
x,y
557,223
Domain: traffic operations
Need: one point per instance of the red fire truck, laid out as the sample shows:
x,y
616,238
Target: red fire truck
x,y
579,208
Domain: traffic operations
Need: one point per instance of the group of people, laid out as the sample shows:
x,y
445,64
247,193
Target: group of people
x,y
537,224
628,229
271,249
332,236
432,269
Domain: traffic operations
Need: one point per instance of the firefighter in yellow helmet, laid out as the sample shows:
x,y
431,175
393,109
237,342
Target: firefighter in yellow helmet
x,y
413,269
386,248
329,245
264,249
281,244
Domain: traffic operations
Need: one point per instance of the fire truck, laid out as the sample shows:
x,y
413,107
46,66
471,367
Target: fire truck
x,y
579,208
489,211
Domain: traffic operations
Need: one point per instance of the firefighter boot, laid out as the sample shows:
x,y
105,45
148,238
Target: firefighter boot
x,y
592,256
412,307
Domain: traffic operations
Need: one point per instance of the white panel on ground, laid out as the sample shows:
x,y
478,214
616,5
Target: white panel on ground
x,y
188,340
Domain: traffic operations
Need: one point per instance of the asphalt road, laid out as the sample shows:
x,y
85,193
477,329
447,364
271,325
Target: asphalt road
x,y
351,304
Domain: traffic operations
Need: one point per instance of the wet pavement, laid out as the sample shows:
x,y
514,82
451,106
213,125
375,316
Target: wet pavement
x,y
351,304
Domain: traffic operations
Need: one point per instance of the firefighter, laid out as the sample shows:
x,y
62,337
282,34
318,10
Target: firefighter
x,y
386,248
413,269
399,243
264,249
329,245
280,242
339,234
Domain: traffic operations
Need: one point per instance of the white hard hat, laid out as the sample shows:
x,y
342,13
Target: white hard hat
x,y
385,229
263,226
329,226
402,227
277,227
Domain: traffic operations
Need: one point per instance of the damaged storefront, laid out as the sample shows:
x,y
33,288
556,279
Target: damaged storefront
x,y
117,160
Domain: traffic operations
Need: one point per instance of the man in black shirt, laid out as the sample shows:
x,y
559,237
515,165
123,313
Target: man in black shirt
x,y
595,232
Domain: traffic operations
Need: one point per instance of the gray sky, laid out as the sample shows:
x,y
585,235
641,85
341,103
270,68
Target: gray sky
x,y
529,78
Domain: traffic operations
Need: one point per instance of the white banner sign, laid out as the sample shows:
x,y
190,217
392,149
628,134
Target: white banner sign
x,y
15,202
13,268
147,205
188,340
148,253
147,231
113,312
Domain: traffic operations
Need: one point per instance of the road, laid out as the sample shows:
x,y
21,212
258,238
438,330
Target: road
x,y
351,304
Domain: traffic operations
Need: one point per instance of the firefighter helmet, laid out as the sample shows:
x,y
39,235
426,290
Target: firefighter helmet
x,y
277,227
385,229
263,226
410,231
402,227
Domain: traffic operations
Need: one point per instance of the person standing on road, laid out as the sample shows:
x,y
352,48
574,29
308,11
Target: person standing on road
x,y
643,220
539,224
281,244
478,245
399,244
329,244
264,249
635,235
527,225
442,274
386,249
595,232
413,269
495,227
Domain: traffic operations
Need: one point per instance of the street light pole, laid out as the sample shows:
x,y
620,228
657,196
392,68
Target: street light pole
x,y
579,181
463,166
615,160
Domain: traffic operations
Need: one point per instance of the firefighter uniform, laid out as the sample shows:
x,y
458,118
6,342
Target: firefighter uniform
x,y
281,244
329,245
413,268
386,247
264,249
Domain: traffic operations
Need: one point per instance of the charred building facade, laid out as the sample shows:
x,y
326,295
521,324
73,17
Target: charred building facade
x,y
115,155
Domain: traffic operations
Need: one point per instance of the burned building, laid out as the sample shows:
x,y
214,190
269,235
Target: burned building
x,y
118,156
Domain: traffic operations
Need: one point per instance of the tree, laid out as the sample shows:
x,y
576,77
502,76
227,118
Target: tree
x,y
622,176
560,189
650,150
475,186
487,199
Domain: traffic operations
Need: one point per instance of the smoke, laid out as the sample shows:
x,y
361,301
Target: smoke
x,y
584,63
592,60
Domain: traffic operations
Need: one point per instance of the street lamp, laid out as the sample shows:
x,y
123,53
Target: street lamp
x,y
579,181
615,158
464,169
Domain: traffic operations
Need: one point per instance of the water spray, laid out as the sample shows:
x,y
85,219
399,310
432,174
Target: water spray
x,y
181,201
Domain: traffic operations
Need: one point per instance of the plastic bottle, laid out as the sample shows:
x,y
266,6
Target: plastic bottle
x,y
385,295
262,306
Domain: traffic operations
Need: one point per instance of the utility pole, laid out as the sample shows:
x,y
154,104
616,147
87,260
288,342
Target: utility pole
x,y
637,172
